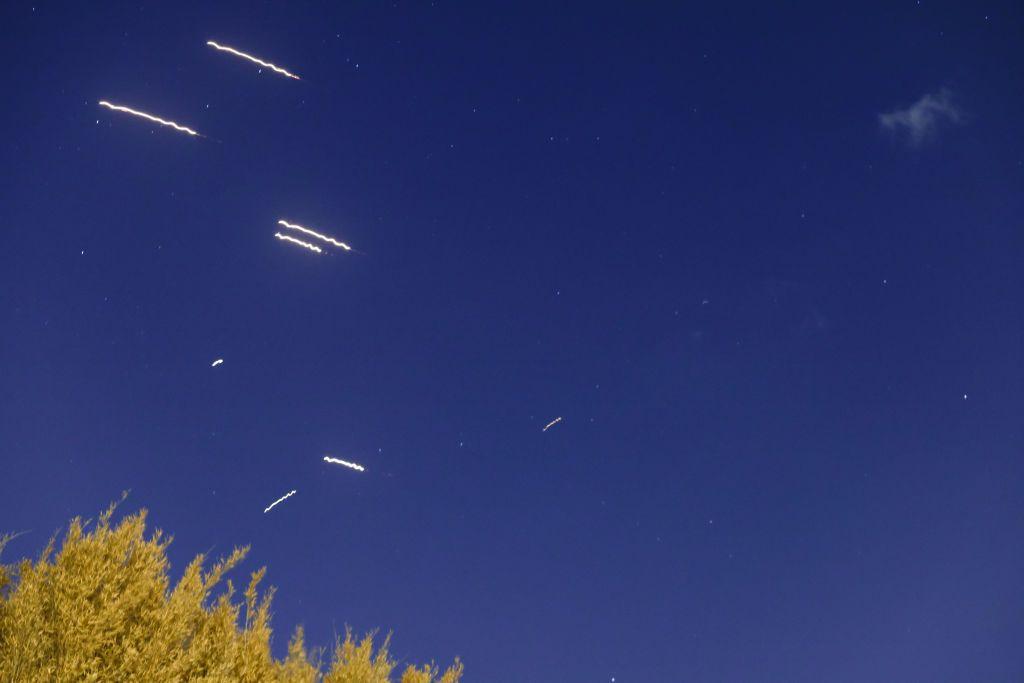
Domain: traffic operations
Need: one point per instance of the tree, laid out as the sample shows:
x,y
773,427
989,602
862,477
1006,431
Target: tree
x,y
101,609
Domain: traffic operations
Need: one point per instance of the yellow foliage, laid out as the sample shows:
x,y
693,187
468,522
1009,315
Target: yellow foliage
x,y
357,663
102,609
428,674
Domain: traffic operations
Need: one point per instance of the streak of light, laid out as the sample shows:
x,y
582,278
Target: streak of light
x,y
282,498
551,424
351,465
307,245
148,117
216,362
313,233
267,65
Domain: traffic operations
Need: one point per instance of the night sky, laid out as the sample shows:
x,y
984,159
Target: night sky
x,y
763,258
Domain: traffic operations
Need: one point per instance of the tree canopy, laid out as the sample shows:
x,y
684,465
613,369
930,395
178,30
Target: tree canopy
x,y
101,608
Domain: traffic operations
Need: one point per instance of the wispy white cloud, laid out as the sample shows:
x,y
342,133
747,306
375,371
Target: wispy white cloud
x,y
920,120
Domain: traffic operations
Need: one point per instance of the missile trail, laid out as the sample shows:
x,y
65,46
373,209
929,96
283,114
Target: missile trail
x,y
284,497
148,117
551,424
307,245
350,465
313,233
216,362
268,65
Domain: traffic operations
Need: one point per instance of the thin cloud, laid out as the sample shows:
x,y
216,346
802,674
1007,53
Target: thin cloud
x,y
920,120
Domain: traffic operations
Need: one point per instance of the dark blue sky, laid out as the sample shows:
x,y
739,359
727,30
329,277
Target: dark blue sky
x,y
785,333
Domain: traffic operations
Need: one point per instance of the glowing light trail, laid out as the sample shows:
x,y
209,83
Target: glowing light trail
x,y
282,498
351,465
551,424
307,245
313,233
216,362
267,65
148,117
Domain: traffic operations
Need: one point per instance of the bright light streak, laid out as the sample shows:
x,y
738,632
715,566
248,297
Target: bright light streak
x,y
282,498
148,117
307,245
351,465
267,65
313,233
551,424
216,362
